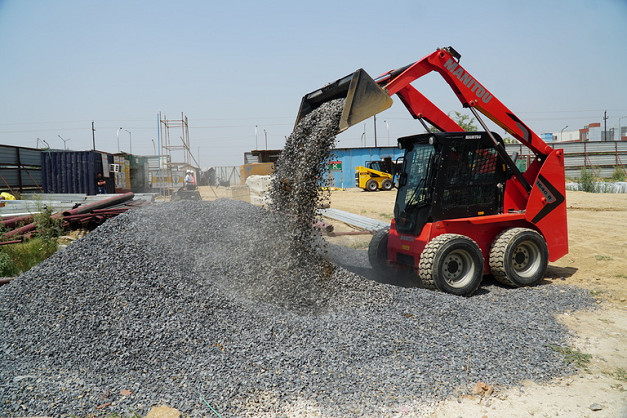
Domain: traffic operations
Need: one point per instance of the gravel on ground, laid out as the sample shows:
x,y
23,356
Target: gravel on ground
x,y
195,303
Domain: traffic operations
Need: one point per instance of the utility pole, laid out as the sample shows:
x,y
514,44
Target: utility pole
x,y
93,136
604,126
375,131
119,139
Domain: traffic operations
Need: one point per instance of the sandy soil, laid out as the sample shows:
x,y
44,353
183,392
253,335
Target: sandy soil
x,y
597,261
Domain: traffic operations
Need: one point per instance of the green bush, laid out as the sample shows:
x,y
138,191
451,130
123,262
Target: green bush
x,y
588,180
619,173
48,228
6,265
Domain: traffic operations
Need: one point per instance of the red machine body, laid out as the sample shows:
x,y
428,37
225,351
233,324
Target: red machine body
x,y
540,206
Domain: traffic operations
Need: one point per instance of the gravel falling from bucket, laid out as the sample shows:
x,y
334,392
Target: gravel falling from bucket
x,y
301,170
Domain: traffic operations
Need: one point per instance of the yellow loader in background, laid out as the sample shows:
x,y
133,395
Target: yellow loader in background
x,y
377,175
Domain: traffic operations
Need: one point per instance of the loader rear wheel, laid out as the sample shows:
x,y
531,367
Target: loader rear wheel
x,y
519,257
372,186
378,251
378,254
453,264
387,185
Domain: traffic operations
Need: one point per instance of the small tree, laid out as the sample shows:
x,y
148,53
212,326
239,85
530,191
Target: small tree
x,y
48,228
464,121
587,180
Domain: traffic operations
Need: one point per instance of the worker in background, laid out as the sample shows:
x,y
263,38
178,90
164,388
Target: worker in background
x,y
190,181
101,183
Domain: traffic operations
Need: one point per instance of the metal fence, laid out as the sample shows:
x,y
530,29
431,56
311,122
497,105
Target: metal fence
x,y
603,157
228,175
20,169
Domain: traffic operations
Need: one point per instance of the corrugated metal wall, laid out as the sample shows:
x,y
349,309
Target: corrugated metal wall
x,y
20,168
74,171
603,156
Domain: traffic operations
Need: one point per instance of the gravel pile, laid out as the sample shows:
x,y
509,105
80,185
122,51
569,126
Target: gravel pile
x,y
228,307
193,303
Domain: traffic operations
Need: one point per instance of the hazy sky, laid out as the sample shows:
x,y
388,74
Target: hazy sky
x,y
232,65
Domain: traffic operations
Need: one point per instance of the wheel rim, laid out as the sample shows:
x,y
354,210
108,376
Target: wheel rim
x,y
526,259
458,268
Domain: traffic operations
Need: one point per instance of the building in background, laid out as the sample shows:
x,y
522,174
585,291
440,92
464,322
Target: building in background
x,y
592,132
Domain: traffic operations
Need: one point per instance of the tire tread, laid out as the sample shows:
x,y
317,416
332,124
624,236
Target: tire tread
x,y
427,260
498,256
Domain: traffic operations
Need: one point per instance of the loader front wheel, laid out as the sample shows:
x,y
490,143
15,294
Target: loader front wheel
x,y
453,264
371,185
519,257
387,185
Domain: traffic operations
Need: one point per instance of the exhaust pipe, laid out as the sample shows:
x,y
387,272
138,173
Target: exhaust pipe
x,y
364,98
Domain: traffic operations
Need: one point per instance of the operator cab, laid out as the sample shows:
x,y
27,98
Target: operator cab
x,y
375,165
448,175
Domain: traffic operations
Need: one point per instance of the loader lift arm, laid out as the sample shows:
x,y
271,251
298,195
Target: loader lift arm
x,y
467,89
471,94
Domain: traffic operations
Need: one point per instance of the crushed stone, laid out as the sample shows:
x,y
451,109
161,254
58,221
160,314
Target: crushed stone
x,y
223,305
187,301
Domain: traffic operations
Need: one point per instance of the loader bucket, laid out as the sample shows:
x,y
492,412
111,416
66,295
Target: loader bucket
x,y
364,98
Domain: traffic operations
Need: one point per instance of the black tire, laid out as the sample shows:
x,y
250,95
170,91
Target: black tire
x,y
519,257
378,251
371,185
453,264
387,185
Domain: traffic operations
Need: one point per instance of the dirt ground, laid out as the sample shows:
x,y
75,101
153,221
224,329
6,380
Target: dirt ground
x,y
597,261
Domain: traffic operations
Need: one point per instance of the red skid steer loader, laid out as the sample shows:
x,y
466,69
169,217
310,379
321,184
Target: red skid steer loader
x,y
463,208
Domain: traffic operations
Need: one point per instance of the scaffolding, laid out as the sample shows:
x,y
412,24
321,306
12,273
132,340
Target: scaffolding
x,y
177,152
